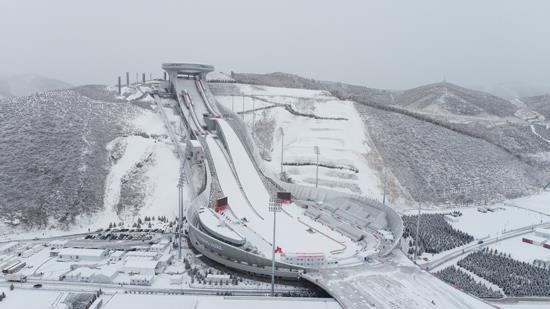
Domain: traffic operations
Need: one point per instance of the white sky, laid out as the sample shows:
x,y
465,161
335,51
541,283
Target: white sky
x,y
383,44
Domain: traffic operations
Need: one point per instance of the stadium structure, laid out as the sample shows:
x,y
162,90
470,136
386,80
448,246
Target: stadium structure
x,y
230,221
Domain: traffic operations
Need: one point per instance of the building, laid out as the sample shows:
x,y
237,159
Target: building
x,y
76,254
57,244
116,256
141,267
86,274
8,248
141,280
160,246
150,255
195,152
219,279
313,260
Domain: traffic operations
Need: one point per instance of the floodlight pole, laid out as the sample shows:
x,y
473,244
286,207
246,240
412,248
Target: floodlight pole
x,y
253,114
384,196
316,150
180,219
282,150
274,206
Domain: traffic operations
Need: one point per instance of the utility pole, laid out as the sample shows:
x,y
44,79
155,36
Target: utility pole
x,y
119,86
316,150
233,103
274,207
384,196
180,217
282,150
127,79
253,114
243,106
417,240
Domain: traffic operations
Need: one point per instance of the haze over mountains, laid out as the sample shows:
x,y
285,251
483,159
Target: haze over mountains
x,y
26,84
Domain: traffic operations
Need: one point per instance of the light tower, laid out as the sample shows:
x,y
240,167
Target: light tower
x,y
180,207
274,207
282,150
316,150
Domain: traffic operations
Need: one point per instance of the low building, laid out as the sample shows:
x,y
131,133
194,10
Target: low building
x,y
77,254
141,280
116,255
313,260
166,259
141,267
143,254
57,244
220,279
176,279
8,248
86,274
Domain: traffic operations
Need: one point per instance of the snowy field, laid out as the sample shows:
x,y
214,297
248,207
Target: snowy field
x,y
215,302
319,119
539,202
29,298
490,224
522,251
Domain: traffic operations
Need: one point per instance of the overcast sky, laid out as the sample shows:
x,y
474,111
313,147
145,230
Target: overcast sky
x,y
383,44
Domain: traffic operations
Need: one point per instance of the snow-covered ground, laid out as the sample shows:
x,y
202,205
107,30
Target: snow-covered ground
x,y
338,131
500,220
522,251
214,302
29,298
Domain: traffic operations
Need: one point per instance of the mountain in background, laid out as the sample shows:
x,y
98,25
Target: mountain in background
x,y
27,84
513,90
442,142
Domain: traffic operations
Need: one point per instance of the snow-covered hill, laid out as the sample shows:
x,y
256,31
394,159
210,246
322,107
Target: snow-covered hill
x,y
441,143
83,157
446,98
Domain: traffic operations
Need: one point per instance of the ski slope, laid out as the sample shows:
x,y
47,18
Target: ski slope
x,y
294,234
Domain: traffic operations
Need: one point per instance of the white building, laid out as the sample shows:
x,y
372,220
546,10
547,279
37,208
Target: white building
x,y
8,248
141,280
211,278
116,256
143,254
314,260
160,246
85,274
58,243
141,267
76,254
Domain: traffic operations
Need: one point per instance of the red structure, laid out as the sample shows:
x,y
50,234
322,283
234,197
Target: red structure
x,y
221,204
284,197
